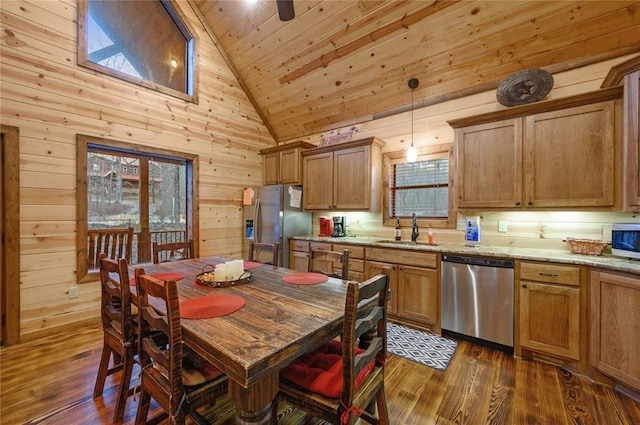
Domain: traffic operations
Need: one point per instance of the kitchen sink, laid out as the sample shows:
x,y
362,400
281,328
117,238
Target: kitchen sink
x,y
391,241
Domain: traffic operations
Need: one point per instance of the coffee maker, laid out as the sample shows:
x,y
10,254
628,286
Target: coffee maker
x,y
339,222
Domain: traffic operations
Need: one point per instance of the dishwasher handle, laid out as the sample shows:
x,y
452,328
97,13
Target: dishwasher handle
x,y
479,261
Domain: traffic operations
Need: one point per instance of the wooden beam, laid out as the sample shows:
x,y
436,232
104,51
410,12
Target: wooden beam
x,y
403,23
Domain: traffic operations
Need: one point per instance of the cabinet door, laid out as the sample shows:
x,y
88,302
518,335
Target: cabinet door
x,y
550,319
615,326
373,268
352,178
290,166
569,157
418,294
299,261
631,135
271,168
318,181
489,164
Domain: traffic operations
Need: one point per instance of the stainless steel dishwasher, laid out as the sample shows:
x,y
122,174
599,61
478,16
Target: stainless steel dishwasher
x,y
477,299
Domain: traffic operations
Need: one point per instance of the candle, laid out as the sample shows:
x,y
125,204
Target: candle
x,y
220,273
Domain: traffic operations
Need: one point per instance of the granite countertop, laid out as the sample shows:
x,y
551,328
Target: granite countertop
x,y
605,261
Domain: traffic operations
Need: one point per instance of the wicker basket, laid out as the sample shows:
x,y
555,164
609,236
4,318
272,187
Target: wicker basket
x,y
586,246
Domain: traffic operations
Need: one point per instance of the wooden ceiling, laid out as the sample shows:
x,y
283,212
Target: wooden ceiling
x,y
342,62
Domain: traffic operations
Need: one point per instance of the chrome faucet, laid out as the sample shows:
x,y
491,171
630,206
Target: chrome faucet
x,y
414,228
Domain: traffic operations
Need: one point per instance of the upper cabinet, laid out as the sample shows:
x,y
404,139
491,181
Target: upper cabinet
x,y
554,154
627,74
343,177
282,165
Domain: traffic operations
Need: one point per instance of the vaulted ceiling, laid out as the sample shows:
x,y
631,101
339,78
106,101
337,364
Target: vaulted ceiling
x,y
342,62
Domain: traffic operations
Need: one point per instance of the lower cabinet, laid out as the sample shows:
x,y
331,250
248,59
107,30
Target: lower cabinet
x,y
356,261
550,317
415,284
299,255
615,326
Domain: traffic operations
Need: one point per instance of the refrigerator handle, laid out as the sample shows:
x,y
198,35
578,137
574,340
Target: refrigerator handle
x,y
257,221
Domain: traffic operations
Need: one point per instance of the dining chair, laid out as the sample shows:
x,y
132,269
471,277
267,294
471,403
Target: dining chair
x,y
176,377
323,261
119,329
340,381
114,243
260,251
172,251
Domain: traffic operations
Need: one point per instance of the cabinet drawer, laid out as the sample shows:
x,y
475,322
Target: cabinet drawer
x,y
356,265
354,251
399,256
320,245
551,273
299,246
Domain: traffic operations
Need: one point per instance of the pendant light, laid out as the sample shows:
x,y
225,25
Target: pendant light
x,y
412,152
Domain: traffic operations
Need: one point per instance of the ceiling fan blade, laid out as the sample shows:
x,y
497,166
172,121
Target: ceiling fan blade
x,y
285,10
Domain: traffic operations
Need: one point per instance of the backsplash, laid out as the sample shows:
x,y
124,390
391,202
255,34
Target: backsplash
x,y
523,229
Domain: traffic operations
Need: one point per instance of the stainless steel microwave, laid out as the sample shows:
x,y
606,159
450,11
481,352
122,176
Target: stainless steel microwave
x,y
625,240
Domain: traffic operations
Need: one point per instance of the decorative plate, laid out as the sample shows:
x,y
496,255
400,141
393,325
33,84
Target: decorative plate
x,y
526,86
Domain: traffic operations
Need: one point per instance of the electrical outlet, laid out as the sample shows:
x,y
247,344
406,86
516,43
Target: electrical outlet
x,y
502,226
73,292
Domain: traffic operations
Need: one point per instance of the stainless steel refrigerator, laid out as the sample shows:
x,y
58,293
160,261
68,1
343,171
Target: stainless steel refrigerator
x,y
274,214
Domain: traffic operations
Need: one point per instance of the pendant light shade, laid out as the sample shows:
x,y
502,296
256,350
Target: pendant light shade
x,y
412,152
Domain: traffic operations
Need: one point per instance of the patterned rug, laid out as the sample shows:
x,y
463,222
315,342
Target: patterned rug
x,y
429,349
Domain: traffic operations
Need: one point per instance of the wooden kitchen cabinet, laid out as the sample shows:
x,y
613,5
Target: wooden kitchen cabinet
x,y
627,75
487,154
282,164
344,177
415,284
631,135
563,157
356,261
615,326
299,255
550,318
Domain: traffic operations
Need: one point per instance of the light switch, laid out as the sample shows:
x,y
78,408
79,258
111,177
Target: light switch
x,y
502,226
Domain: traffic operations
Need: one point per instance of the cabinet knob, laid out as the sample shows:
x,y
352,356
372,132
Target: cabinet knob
x,y
518,204
530,203
524,286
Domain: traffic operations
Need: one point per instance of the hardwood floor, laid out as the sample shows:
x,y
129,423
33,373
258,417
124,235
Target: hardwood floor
x,y
50,381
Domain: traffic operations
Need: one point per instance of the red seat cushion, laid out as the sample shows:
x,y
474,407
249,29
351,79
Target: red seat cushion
x,y
321,370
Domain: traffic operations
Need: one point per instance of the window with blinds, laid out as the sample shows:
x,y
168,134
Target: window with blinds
x,y
420,187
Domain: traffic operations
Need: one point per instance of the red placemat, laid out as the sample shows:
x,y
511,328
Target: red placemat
x,y
250,265
210,306
161,276
305,278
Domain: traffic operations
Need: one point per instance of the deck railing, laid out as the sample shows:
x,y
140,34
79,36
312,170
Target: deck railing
x,y
165,236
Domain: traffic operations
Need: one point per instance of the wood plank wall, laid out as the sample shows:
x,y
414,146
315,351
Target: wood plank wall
x,y
51,99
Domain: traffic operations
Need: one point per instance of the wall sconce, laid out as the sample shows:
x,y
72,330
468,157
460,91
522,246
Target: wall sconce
x,y
412,152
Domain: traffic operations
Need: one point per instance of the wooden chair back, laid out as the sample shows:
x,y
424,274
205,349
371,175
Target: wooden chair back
x,y
120,339
160,321
266,253
363,347
323,261
114,243
172,251
365,329
161,356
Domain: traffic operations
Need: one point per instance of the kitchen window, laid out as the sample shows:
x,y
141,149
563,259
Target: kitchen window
x,y
143,42
420,187
159,201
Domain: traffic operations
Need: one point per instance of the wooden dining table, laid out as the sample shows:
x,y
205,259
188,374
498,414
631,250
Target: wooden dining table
x,y
279,322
